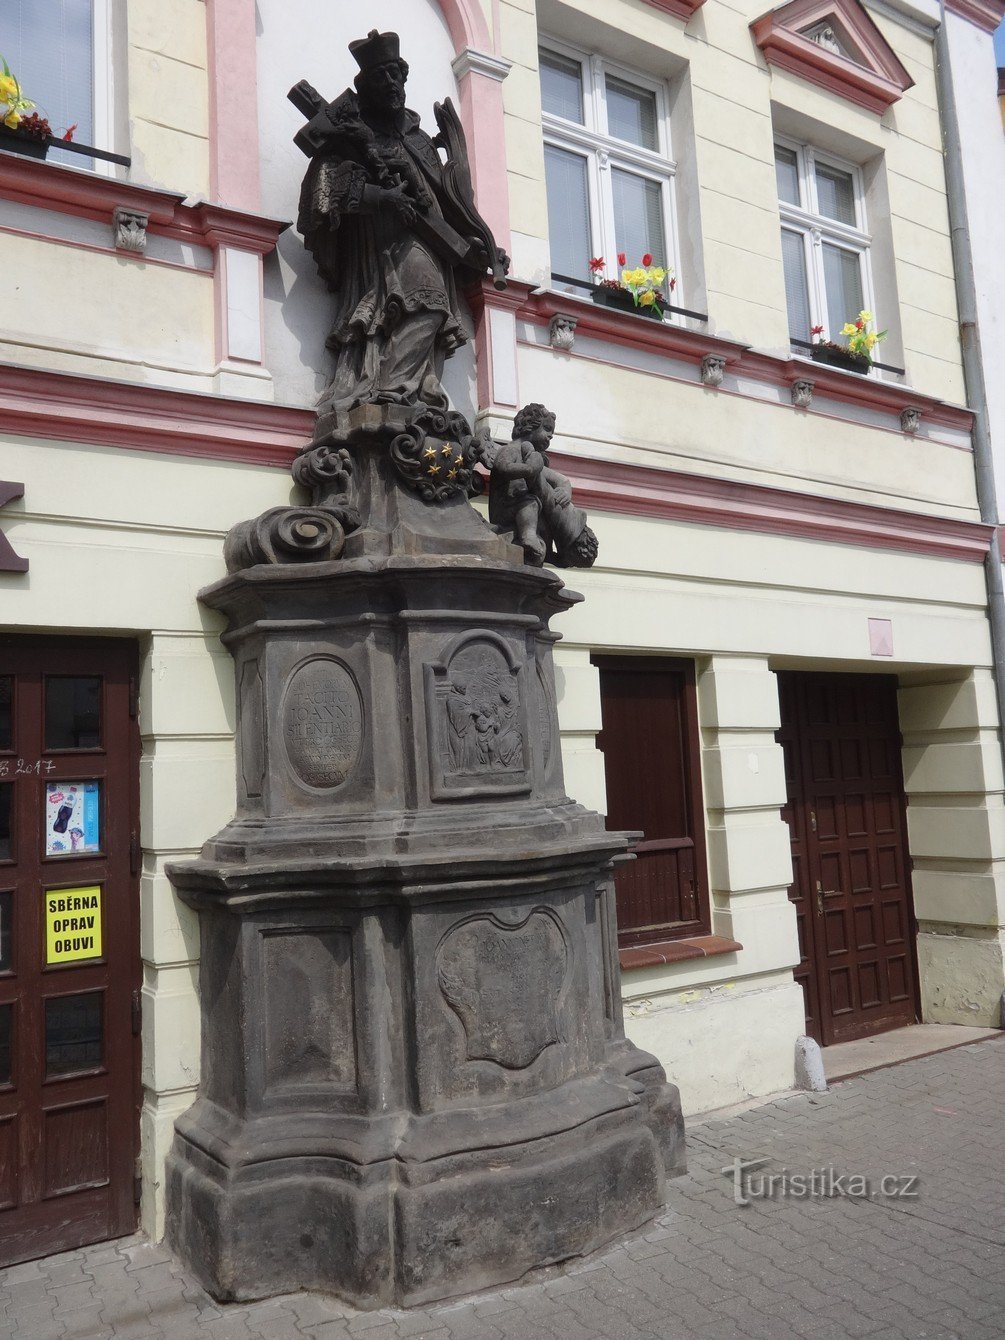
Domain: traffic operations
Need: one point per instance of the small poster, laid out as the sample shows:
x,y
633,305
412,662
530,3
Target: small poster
x,y
72,818
72,924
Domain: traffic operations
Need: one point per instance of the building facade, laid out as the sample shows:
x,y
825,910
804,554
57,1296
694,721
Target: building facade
x,y
782,673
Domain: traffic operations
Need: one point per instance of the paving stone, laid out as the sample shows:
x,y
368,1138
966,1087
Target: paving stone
x,y
928,1268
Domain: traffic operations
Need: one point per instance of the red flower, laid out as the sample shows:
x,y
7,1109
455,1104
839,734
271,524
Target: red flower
x,y
816,330
859,324
596,263
622,258
673,283
647,259
69,134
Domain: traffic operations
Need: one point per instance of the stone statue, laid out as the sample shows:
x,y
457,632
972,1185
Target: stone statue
x,y
394,231
529,498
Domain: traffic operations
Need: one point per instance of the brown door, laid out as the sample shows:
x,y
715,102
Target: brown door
x,y
650,745
851,888
69,944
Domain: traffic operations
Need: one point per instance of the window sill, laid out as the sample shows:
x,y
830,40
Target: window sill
x,y
676,951
92,195
755,367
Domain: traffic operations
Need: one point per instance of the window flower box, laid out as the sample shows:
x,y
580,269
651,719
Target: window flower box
x,y
836,356
20,142
622,301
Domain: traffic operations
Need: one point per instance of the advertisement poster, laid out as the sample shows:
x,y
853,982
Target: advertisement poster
x,y
71,818
72,924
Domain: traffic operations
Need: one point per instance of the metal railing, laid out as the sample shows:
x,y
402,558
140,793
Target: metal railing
x,y
588,285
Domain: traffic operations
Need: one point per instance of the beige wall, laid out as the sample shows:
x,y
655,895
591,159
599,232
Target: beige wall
x,y
737,102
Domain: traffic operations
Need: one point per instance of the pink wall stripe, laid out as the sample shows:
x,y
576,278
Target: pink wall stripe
x,y
233,104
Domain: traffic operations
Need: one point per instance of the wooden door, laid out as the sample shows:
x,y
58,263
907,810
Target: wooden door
x,y
650,747
69,944
851,870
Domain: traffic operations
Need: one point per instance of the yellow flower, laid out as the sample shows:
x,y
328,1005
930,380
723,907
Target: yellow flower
x,y
626,276
870,339
849,329
865,316
647,299
658,274
12,120
8,88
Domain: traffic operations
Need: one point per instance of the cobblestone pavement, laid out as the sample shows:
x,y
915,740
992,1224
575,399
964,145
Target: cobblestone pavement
x,y
830,1264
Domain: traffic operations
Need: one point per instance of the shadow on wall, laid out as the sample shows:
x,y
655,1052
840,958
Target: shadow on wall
x,y
315,47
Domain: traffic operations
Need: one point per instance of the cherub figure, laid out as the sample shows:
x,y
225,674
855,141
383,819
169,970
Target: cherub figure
x,y
529,498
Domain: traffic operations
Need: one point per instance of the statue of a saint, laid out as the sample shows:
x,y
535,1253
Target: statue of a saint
x,y
393,229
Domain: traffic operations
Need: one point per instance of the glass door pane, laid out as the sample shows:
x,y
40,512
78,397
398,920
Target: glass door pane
x,y
797,298
631,114
638,218
561,86
568,212
843,284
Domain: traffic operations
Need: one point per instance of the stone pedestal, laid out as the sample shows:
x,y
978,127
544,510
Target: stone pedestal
x,y
415,1081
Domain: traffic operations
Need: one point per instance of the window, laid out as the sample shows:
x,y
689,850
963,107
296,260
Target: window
x,y
651,749
825,245
58,51
607,165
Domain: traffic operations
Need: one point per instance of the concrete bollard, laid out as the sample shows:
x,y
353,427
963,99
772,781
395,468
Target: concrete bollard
x,y
810,1066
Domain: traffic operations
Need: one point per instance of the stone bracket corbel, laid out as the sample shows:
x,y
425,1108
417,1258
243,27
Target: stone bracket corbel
x,y
9,560
129,227
802,393
562,331
910,419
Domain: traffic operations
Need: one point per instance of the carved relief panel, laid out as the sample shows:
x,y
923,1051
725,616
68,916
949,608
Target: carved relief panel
x,y
322,723
477,721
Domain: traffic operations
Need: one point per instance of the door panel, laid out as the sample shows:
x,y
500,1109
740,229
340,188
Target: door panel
x,y
650,748
69,944
851,881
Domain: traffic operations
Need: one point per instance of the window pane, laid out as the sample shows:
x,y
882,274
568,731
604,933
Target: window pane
x,y
568,212
797,298
835,194
6,912
561,87
631,114
638,217
6,693
843,282
6,797
73,712
49,48
787,175
73,1034
6,1011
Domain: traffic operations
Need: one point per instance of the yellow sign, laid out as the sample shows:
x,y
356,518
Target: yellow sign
x,y
72,924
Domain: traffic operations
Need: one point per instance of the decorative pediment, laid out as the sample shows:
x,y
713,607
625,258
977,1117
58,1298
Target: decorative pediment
x,y
834,43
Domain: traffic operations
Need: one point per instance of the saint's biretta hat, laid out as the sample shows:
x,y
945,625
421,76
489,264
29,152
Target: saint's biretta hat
x,y
375,49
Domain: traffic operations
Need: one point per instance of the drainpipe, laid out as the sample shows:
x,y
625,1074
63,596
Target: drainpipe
x,y
973,367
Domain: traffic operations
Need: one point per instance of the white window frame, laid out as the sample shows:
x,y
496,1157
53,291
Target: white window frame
x,y
816,229
604,152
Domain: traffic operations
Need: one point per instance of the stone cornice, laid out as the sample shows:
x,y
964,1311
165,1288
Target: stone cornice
x,y
986,14
68,407
691,346
470,61
681,9
875,81
89,195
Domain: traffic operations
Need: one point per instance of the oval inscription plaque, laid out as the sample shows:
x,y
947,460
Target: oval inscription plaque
x,y
323,723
